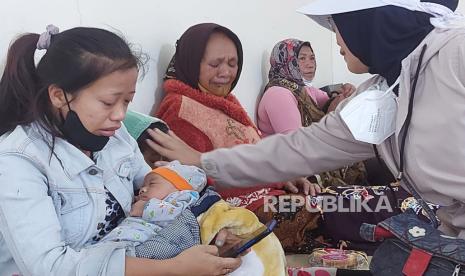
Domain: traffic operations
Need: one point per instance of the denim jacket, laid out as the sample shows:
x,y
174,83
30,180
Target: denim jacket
x,y
51,203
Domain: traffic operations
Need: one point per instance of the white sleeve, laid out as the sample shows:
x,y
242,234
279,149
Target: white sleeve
x,y
321,147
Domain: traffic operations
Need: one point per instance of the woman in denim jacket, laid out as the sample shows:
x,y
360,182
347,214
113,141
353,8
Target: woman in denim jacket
x,y
68,170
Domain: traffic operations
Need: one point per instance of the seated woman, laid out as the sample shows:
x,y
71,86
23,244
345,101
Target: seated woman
x,y
68,170
216,214
201,110
289,102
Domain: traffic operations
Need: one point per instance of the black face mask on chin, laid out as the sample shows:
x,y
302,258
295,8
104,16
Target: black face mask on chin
x,y
77,134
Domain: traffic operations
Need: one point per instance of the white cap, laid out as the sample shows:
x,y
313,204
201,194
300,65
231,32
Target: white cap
x,y
328,7
321,10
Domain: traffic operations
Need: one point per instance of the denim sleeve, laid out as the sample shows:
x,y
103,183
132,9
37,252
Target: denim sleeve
x,y
32,232
141,168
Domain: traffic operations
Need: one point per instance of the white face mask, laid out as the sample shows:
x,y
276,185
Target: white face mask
x,y
371,115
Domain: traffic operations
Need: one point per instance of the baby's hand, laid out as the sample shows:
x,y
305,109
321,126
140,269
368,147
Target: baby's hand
x,y
137,208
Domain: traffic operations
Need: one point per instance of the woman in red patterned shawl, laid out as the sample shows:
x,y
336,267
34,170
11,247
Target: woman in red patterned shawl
x,y
201,110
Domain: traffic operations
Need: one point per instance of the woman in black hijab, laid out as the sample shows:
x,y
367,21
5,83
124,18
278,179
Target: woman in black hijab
x,y
382,37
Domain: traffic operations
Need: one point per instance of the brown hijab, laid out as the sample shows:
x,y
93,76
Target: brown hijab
x,y
190,48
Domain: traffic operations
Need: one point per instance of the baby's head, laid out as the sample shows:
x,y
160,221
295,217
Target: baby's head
x,y
151,156
173,177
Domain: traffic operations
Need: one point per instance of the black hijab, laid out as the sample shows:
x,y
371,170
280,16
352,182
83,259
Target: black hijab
x,y
382,37
190,48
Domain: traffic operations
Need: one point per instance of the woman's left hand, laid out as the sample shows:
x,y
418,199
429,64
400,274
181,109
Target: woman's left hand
x,y
303,185
225,240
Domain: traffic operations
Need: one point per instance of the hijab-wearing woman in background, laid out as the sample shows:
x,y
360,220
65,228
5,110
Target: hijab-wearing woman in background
x,y
289,101
200,108
422,45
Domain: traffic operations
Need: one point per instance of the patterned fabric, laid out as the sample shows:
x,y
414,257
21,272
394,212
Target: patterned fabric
x,y
157,214
308,108
354,174
408,235
207,122
250,199
182,234
163,212
339,258
114,215
375,204
283,60
223,130
303,230
312,271
297,231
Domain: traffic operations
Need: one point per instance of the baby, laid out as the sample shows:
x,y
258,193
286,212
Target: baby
x,y
167,191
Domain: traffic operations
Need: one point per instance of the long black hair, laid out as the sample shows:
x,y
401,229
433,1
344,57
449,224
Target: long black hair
x,y
74,59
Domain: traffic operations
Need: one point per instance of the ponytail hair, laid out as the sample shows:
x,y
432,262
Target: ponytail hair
x,y
18,84
74,59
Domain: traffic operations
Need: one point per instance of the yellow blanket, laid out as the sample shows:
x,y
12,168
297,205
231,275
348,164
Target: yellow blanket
x,y
240,222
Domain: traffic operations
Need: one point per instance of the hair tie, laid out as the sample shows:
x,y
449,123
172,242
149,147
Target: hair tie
x,y
45,37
